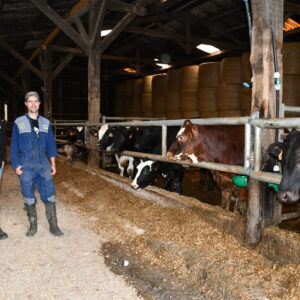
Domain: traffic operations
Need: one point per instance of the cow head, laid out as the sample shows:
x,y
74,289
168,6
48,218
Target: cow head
x,y
288,153
183,147
106,137
147,171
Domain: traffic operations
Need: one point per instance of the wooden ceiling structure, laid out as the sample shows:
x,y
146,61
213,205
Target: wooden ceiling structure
x,y
40,39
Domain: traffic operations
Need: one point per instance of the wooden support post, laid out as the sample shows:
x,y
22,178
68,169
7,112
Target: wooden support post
x,y
48,84
94,61
266,15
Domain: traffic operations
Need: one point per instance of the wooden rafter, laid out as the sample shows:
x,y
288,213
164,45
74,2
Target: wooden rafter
x,y
23,60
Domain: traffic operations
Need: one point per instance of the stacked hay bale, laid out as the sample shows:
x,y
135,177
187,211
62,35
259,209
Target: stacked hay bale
x,y
147,97
137,98
172,105
128,101
188,91
291,76
159,90
119,99
209,77
228,90
246,93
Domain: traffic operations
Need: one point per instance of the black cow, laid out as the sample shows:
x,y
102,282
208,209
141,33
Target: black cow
x,y
148,140
107,136
288,153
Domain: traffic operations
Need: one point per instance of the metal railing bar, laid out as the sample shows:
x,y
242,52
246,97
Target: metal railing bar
x,y
203,164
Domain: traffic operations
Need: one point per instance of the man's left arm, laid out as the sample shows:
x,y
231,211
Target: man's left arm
x,y
51,150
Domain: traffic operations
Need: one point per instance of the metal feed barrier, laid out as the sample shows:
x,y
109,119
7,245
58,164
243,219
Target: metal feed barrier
x,y
252,149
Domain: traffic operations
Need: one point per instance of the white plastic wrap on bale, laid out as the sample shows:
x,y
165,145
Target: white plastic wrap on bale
x,y
231,70
209,74
291,61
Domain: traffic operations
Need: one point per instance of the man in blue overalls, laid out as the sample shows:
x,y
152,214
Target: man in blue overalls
x,y
3,235
32,146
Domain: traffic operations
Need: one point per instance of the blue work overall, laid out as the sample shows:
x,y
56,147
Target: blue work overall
x,y
32,151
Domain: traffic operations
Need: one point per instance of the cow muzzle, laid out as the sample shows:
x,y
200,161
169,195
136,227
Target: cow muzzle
x,y
287,196
135,186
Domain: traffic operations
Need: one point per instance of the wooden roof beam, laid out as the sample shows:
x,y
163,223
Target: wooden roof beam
x,y
58,21
11,81
141,4
20,58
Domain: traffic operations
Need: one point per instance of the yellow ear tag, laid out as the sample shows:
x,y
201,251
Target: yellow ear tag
x,y
110,134
280,155
130,137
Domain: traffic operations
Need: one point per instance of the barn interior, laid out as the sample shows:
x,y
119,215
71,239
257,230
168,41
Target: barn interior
x,y
142,59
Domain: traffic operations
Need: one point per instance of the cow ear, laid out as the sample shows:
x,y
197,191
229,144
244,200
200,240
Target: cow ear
x,y
275,150
195,130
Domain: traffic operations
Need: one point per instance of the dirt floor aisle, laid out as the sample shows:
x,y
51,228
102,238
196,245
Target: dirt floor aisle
x,y
47,267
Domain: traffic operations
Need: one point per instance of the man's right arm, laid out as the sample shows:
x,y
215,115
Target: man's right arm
x,y
14,149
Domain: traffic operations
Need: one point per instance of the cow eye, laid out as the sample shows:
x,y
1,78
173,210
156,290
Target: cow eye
x,y
180,138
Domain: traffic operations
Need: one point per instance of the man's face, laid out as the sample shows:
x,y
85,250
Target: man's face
x,y
33,104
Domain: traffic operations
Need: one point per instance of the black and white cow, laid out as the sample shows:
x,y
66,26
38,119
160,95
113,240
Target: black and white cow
x,y
288,153
107,138
148,140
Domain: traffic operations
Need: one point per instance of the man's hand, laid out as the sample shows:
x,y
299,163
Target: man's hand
x,y
18,170
53,170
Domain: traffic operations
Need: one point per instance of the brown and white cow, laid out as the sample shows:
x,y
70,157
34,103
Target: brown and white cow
x,y
220,144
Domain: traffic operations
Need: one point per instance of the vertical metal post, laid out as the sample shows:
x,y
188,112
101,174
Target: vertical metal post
x,y
247,149
257,149
164,140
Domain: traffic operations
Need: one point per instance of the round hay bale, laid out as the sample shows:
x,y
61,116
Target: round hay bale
x,y
172,103
147,104
188,101
189,114
158,105
173,115
209,74
231,70
159,89
245,98
291,54
246,113
228,96
147,84
119,96
137,98
229,113
246,67
208,114
207,99
291,90
189,77
174,79
129,85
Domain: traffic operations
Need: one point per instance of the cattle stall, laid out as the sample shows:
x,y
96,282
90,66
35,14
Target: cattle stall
x,y
252,153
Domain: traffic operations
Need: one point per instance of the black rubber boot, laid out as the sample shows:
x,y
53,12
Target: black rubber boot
x,y
32,217
51,216
3,235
